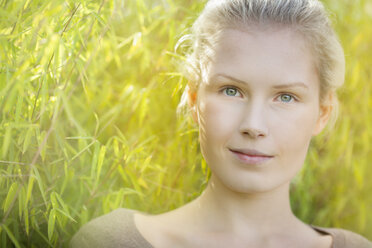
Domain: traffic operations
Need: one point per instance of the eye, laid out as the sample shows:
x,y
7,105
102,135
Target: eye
x,y
230,91
286,98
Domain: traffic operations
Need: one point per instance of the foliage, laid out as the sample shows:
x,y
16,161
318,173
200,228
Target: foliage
x,y
88,92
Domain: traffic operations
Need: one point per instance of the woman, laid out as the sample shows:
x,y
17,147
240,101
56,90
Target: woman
x,y
263,76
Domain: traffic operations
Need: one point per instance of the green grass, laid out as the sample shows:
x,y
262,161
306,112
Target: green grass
x,y
88,97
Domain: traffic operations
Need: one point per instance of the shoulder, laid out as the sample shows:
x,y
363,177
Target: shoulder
x,y
346,239
115,229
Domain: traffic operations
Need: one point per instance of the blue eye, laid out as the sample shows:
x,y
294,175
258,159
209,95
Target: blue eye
x,y
286,98
230,91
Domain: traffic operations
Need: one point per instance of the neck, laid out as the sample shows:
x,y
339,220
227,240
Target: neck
x,y
224,209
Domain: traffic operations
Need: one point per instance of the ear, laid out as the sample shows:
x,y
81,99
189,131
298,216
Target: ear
x,y
325,111
192,101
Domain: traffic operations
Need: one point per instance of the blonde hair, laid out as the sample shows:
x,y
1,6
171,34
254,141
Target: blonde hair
x,y
307,17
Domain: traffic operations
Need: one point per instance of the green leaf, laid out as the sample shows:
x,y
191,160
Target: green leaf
x,y
11,236
10,197
40,183
51,223
30,185
19,108
83,150
7,139
67,215
27,225
99,18
27,140
44,145
22,204
94,160
101,157
53,199
64,207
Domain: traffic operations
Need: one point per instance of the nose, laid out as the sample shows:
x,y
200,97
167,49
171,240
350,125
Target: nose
x,y
253,123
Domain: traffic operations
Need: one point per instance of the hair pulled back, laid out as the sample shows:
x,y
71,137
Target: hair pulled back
x,y
307,17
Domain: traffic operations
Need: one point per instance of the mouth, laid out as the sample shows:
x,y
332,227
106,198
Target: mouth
x,y
250,156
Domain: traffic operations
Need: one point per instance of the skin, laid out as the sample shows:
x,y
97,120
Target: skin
x,y
262,93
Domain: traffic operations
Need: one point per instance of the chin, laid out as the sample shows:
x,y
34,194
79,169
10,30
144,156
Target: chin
x,y
253,189
251,184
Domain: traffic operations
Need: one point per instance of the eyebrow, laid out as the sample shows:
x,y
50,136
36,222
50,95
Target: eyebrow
x,y
280,86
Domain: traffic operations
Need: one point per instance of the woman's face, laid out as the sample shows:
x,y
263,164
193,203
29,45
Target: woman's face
x,y
262,99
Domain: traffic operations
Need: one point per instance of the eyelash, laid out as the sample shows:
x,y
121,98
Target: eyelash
x,y
293,98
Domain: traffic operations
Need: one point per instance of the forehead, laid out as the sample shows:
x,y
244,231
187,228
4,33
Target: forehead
x,y
275,38
267,55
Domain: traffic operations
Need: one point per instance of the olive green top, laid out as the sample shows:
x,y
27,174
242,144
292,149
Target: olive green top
x,y
117,229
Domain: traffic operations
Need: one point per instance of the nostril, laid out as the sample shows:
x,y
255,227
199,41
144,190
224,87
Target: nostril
x,y
254,133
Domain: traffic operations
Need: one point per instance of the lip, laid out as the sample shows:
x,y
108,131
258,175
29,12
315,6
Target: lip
x,y
250,156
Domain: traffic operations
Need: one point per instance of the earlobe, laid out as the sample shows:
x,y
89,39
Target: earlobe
x,y
194,113
325,111
192,96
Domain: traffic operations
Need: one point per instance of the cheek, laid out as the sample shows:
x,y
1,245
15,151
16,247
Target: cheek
x,y
218,119
294,131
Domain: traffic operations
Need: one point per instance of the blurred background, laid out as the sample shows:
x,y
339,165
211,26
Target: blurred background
x,y
88,97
